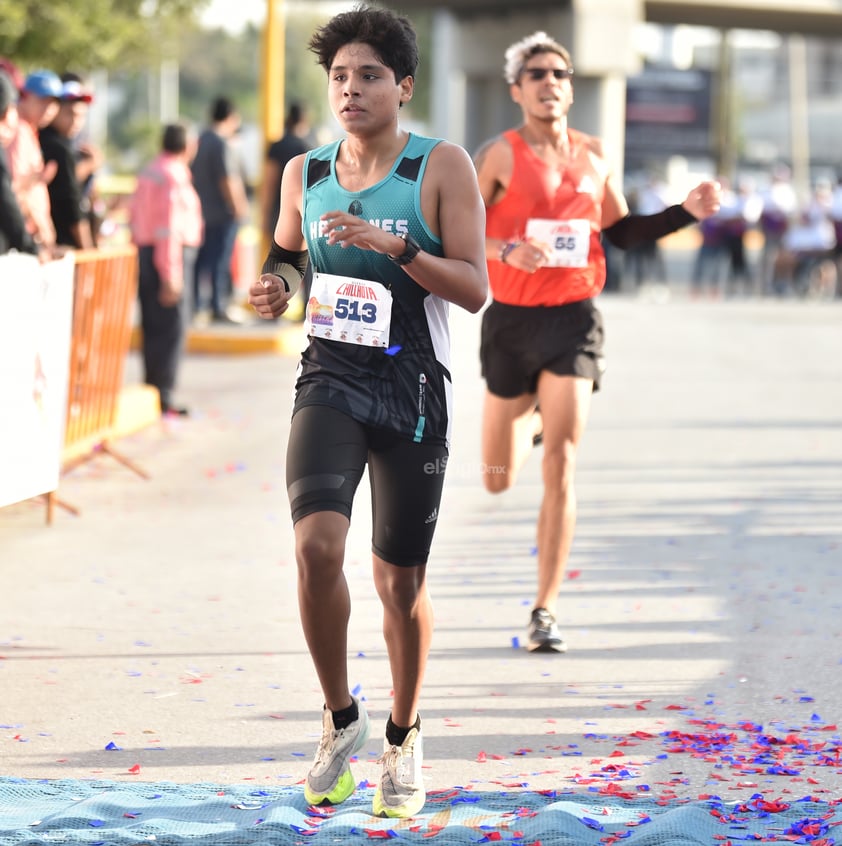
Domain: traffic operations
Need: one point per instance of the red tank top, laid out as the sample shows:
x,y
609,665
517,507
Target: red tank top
x,y
575,205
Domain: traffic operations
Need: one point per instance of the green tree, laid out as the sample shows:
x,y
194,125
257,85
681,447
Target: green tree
x,y
88,34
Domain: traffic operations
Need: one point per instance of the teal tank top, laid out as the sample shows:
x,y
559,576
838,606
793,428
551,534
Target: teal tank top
x,y
406,388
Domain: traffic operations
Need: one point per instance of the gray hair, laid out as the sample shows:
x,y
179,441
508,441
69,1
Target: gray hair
x,y
518,54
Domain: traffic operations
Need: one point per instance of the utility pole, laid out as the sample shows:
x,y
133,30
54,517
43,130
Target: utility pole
x,y
725,152
798,118
272,83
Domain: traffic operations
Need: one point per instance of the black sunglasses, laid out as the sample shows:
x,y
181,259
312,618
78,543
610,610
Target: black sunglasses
x,y
537,74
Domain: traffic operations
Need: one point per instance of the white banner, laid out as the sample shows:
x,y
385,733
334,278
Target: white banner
x,y
36,314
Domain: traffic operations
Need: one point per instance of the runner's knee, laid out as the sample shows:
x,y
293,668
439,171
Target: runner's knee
x,y
497,482
320,555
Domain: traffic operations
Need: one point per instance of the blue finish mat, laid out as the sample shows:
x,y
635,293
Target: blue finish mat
x,y
103,813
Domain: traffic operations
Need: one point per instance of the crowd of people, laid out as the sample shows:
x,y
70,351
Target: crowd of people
x,y
799,240
765,240
48,193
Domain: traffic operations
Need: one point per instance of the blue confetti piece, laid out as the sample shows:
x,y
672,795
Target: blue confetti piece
x,y
594,824
113,747
515,642
393,350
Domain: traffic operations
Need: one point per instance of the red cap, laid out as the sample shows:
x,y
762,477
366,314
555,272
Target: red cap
x,y
73,92
11,70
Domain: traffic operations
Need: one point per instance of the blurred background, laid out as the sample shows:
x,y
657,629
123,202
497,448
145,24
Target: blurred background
x,y
745,92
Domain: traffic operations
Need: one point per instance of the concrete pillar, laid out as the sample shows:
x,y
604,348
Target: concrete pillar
x,y
599,108
471,101
448,96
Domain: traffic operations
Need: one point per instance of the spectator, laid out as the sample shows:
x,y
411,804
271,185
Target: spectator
x,y
13,232
779,206
88,162
741,210
166,225
217,177
645,260
297,139
38,105
67,201
713,251
836,219
11,70
805,263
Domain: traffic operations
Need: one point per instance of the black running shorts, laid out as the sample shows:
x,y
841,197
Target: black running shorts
x,y
518,342
326,456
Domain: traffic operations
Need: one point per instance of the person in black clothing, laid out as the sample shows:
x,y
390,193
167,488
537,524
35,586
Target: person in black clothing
x,y
67,201
13,232
217,177
297,139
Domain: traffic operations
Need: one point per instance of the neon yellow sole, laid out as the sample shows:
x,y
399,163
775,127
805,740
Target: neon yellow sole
x,y
345,786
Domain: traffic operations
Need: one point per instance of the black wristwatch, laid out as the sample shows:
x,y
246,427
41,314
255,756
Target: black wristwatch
x,y
412,250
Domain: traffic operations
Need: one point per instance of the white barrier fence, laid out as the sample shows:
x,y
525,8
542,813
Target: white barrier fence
x,y
36,315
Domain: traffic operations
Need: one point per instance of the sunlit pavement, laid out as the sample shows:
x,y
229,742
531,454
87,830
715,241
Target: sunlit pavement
x,y
155,636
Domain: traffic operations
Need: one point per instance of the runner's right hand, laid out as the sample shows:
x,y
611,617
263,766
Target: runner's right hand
x,y
269,297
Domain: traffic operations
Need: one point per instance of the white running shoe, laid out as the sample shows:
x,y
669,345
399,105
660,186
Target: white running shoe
x,y
400,792
330,778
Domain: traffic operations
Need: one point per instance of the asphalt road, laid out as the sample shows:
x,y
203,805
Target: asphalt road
x,y
155,636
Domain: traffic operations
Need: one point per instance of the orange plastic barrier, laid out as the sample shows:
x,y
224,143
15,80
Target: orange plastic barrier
x,y
105,289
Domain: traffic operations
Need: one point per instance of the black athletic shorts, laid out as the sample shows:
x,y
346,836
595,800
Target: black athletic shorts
x,y
518,342
326,456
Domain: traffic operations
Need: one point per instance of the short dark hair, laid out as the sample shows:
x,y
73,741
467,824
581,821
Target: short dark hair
x,y
390,35
221,109
295,114
174,139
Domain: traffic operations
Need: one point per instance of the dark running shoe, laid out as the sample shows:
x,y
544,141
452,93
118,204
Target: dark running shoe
x,y
538,437
544,635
